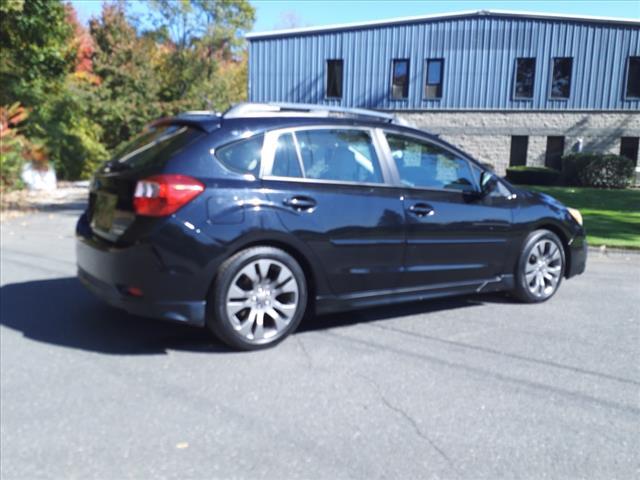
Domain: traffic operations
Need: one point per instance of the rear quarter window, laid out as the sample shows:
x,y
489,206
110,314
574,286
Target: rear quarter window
x,y
243,156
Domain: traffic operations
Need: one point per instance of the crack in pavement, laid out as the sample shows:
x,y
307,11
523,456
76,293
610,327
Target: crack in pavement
x,y
305,352
485,373
411,421
523,358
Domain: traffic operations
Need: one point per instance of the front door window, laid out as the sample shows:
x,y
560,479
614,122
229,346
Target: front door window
x,y
425,165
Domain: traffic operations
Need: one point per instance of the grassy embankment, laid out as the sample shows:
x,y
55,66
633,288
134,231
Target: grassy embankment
x,y
611,217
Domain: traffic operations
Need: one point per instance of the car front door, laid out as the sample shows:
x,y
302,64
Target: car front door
x,y
331,191
455,237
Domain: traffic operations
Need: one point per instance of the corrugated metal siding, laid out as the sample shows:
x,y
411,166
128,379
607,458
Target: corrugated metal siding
x,y
479,55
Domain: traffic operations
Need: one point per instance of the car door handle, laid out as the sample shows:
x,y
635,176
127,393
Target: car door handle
x,y
300,204
422,210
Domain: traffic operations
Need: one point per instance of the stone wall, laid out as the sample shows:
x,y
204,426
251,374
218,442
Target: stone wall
x,y
487,135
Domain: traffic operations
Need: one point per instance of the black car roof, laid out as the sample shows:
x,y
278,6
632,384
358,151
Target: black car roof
x,y
265,123
212,121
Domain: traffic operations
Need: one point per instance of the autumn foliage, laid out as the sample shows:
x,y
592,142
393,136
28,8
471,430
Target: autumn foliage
x,y
15,148
82,43
74,93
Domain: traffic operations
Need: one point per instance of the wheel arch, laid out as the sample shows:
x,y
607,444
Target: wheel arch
x,y
314,278
564,238
303,261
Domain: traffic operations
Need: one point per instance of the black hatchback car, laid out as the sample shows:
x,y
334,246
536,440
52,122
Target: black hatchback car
x,y
245,221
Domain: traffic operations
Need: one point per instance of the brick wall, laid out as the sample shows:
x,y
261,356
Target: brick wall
x,y
487,135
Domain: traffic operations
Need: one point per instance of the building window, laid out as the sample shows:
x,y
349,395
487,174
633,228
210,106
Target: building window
x,y
525,76
561,77
518,155
629,148
555,150
400,80
334,78
633,78
433,78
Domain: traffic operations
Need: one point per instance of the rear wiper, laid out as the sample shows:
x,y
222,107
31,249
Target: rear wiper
x,y
115,166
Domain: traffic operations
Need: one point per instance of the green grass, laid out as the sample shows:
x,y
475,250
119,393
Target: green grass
x,y
611,217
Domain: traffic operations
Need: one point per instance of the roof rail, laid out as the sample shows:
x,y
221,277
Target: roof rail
x,y
209,113
248,109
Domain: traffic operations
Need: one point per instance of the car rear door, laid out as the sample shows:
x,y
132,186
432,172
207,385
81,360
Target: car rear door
x,y
331,191
454,236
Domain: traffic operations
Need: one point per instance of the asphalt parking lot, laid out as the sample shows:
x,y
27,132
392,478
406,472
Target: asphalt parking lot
x,y
470,387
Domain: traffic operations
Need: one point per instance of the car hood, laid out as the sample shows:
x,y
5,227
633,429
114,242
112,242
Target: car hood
x,y
543,198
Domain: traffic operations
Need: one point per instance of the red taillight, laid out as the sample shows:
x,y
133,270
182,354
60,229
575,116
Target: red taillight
x,y
161,195
134,291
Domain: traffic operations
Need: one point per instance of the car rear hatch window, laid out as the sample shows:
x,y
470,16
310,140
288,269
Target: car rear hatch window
x,y
154,146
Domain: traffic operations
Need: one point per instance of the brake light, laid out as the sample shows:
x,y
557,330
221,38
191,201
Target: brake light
x,y
162,195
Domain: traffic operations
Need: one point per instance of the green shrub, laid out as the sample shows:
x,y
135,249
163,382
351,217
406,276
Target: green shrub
x,y
72,136
608,171
11,162
597,170
533,175
572,164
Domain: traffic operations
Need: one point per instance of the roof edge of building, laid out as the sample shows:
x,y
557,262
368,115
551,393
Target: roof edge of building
x,y
442,16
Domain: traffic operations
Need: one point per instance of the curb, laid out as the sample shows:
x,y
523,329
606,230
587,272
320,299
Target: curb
x,y
605,251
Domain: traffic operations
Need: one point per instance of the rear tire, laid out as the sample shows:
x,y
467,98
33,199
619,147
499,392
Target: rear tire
x,y
259,297
540,267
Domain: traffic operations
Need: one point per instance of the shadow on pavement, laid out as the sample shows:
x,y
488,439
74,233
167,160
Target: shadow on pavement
x,y
61,312
344,319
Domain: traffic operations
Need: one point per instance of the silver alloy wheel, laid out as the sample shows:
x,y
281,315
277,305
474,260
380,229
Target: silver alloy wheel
x,y
543,268
262,300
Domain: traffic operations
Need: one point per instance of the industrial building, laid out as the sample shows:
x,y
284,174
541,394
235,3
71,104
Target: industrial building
x,y
510,88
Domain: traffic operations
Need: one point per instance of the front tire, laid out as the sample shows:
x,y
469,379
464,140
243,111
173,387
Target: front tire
x,y
540,268
259,297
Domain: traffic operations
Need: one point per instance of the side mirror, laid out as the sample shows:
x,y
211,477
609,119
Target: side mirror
x,y
488,183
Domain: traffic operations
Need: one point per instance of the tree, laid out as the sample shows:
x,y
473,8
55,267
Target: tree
x,y
15,148
46,67
127,65
84,47
221,23
200,36
36,50
86,92
289,19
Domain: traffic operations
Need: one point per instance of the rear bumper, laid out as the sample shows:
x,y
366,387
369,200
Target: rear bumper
x,y
578,261
108,272
187,312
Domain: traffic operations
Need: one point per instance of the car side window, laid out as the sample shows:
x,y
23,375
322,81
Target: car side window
x,y
285,160
242,156
339,154
425,165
